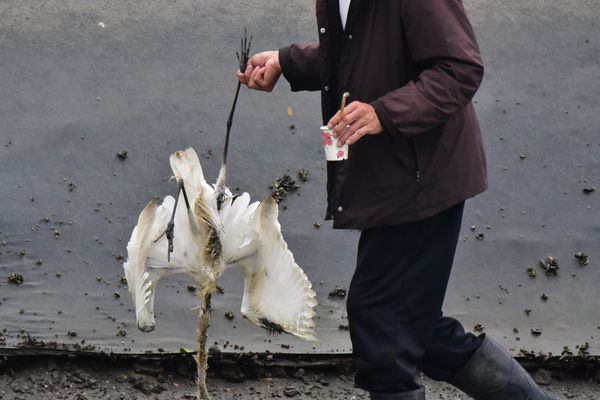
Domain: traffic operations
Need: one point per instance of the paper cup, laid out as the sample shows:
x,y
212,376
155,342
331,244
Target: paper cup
x,y
332,151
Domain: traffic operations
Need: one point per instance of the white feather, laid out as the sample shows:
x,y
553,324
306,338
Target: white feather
x,y
276,291
240,224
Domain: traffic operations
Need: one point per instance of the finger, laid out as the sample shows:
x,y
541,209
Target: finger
x,y
241,77
255,77
351,131
259,77
350,117
348,131
256,60
334,120
358,134
247,75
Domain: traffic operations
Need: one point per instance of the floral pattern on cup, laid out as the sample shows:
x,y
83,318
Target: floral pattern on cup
x,y
340,154
327,139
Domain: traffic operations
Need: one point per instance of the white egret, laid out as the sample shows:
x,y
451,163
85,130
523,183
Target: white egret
x,y
213,232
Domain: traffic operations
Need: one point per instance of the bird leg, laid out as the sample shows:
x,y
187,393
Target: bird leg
x,y
243,57
170,231
202,356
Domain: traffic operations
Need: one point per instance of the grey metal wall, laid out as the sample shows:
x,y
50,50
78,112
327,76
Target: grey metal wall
x,y
82,81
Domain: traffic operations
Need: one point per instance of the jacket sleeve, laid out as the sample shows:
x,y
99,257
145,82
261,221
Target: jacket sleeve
x,y
301,66
442,44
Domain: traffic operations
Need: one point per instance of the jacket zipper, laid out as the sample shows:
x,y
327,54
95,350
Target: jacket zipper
x,y
416,159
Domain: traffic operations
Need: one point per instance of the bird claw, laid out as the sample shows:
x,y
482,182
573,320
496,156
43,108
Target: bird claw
x,y
169,232
244,55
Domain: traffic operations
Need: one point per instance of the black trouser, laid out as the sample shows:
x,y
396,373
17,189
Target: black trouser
x,y
395,305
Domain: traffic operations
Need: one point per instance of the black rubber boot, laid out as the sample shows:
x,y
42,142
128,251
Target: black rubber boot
x,y
418,394
493,374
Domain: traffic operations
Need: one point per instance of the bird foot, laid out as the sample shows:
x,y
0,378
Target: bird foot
x,y
170,230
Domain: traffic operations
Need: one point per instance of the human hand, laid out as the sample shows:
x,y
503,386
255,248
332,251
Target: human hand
x,y
359,119
262,72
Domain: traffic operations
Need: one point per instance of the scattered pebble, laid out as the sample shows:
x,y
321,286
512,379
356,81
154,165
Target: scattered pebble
x,y
582,258
303,175
281,186
550,265
338,292
16,278
583,349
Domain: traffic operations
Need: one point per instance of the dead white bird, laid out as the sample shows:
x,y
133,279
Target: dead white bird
x,y
213,232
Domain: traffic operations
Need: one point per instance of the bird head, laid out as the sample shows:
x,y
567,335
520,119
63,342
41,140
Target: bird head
x,y
145,319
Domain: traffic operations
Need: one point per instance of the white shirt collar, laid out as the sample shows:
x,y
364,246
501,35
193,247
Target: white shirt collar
x,y
344,7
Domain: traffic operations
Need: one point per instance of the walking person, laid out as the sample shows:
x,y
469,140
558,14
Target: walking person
x,y
415,155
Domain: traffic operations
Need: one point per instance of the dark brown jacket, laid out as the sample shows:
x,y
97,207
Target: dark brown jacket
x,y
417,63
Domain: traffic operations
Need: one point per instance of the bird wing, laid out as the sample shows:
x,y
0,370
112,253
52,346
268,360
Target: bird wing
x,y
137,249
277,293
147,259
